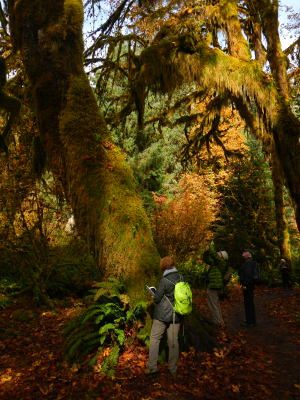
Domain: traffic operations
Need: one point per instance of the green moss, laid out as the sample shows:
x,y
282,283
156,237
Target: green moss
x,y
105,185
73,14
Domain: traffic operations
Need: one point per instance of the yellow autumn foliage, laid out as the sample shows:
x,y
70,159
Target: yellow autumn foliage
x,y
181,226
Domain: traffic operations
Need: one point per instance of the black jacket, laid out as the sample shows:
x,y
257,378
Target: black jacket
x,y
163,310
246,271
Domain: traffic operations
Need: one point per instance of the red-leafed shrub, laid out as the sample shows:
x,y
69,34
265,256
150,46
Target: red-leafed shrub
x,y
182,225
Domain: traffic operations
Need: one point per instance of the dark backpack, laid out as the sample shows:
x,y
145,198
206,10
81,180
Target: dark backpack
x,y
257,279
227,276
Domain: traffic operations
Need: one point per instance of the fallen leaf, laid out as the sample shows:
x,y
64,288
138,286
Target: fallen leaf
x,y
297,386
235,388
97,368
5,378
74,368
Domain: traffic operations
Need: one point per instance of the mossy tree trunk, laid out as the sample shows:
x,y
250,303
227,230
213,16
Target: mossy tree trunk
x,y
282,224
96,179
286,127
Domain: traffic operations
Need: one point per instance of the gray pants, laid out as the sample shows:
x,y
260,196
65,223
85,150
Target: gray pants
x,y
158,328
214,306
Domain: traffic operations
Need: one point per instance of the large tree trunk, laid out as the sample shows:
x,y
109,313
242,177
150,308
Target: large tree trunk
x,y
97,181
286,127
282,224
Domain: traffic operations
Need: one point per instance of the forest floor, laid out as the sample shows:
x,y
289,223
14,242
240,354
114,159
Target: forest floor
x,y
261,362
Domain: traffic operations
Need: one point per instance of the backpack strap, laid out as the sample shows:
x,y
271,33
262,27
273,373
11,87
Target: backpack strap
x,y
173,314
173,280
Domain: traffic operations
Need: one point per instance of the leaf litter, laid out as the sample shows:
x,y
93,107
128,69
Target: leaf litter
x,y
248,366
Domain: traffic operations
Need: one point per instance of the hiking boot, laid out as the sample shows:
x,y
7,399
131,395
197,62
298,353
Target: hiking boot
x,y
173,374
149,371
255,324
244,324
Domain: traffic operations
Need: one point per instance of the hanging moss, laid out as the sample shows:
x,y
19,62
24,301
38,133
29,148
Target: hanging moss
x,y
182,59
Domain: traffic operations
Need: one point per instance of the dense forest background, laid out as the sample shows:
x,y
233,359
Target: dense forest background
x,y
196,156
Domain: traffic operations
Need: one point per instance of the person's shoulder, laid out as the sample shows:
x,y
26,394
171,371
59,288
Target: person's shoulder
x,y
174,275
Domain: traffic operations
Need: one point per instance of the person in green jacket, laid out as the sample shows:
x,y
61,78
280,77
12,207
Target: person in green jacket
x,y
214,281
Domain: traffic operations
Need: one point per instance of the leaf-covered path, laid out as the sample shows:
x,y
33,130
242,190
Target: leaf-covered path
x,y
259,362
276,333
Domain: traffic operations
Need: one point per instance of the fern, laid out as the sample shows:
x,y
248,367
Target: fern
x,y
106,327
103,325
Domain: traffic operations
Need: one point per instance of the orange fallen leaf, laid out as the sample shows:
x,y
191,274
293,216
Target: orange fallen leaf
x,y
5,378
235,388
297,386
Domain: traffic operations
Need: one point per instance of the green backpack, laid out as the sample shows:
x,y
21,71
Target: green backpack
x,y
182,296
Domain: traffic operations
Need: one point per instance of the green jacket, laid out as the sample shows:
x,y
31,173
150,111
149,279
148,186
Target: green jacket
x,y
218,267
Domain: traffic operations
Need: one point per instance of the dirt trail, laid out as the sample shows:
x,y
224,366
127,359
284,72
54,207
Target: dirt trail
x,y
275,337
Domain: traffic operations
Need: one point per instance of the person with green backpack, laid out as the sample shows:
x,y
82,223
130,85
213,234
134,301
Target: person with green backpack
x,y
173,299
215,280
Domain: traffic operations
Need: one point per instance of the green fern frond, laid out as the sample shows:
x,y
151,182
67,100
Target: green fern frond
x,y
91,315
103,338
91,336
99,293
121,336
99,319
106,328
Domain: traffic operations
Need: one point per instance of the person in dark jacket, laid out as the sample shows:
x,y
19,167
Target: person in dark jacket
x,y
218,266
285,270
163,319
246,280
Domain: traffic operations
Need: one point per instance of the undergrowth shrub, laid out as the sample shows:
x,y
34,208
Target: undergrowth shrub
x,y
110,323
7,287
68,270
194,273
271,278
232,284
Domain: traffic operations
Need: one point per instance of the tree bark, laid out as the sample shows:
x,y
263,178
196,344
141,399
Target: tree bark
x,y
282,224
96,179
286,127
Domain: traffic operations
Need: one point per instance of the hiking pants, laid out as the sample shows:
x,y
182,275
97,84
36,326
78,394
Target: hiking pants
x,y
249,304
158,328
286,280
214,306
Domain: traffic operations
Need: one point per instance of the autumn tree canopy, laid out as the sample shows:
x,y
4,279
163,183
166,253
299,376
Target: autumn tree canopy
x,y
227,50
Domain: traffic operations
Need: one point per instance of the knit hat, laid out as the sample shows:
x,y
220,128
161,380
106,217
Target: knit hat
x,y
224,254
248,251
283,260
